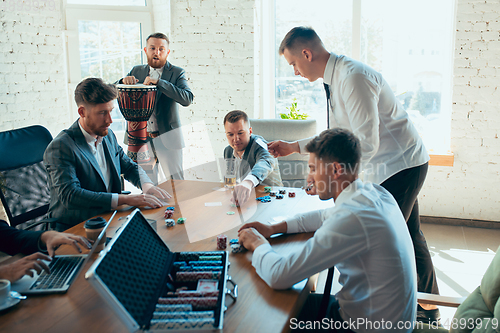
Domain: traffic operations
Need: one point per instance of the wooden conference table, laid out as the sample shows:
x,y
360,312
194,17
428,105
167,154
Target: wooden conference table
x,y
204,205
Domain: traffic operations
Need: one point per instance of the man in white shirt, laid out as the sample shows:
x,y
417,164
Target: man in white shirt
x,y
254,163
85,161
393,154
364,236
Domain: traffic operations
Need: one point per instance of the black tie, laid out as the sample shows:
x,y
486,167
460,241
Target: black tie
x,y
327,90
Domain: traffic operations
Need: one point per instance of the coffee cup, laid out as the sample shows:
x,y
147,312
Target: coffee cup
x,y
93,228
4,291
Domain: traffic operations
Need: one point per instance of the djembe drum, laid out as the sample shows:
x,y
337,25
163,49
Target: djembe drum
x,y
137,103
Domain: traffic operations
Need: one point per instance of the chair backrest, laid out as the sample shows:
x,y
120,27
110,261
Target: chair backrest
x,y
293,168
23,178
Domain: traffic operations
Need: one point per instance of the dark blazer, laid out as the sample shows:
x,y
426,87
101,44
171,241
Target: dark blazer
x,y
77,188
258,161
14,241
172,89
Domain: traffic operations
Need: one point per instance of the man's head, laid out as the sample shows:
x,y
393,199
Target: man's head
x,y
333,161
157,49
238,130
95,101
304,51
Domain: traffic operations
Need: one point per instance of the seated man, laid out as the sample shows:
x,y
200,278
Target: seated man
x,y
257,166
14,241
84,163
364,236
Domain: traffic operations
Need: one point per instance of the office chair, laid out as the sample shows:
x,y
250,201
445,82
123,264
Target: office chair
x,y
293,168
23,179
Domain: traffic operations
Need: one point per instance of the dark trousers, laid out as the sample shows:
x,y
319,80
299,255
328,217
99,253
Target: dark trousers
x,y
404,187
310,311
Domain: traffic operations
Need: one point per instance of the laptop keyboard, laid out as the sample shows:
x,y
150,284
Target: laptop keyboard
x,y
61,268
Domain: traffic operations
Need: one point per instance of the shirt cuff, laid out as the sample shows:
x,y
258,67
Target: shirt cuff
x,y
292,225
253,179
114,200
302,145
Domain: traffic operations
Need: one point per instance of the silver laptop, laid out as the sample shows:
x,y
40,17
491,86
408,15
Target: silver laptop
x,y
63,271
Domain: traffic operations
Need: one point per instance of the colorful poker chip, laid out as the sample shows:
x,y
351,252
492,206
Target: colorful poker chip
x,y
170,208
237,248
234,241
169,222
230,213
272,193
181,220
279,196
168,214
282,191
267,189
221,242
291,194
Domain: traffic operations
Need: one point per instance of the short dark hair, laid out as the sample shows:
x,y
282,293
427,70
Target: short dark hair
x,y
94,90
337,145
303,37
158,35
236,115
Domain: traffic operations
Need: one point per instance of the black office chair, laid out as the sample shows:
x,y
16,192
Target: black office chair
x,y
23,179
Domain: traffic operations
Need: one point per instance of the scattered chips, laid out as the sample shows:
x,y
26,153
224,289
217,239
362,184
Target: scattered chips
x,y
170,208
267,189
221,242
169,222
233,241
272,193
264,199
291,194
237,248
282,191
181,220
230,213
279,196
168,214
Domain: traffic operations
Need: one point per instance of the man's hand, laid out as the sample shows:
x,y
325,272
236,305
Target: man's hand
x,y
130,80
282,148
242,192
25,266
54,239
265,230
158,192
251,239
140,200
150,81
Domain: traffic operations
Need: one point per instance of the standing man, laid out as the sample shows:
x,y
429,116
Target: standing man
x,y
256,165
364,236
393,154
84,163
173,89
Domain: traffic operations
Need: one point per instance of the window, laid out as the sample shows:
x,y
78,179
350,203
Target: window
x,y
106,42
409,42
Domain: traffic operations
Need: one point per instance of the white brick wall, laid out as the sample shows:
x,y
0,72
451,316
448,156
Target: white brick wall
x,y
471,188
213,41
32,67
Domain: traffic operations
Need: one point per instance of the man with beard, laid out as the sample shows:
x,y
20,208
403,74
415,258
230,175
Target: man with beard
x,y
172,89
84,163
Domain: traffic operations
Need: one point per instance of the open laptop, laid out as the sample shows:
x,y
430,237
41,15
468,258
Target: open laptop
x,y
63,271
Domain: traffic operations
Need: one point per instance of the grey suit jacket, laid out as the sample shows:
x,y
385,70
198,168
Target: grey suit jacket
x,y
258,161
172,89
77,188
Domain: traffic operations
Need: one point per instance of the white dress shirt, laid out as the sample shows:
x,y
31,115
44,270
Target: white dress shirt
x,y
98,151
154,73
366,238
362,102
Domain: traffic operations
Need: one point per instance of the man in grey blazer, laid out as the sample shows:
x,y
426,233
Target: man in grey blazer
x,y
256,164
172,90
84,163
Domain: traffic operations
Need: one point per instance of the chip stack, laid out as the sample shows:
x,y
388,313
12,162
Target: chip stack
x,y
221,242
282,191
169,222
279,196
291,194
181,220
267,189
237,248
168,214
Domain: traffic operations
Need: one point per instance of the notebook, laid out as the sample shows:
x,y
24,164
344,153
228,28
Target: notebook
x,y
63,271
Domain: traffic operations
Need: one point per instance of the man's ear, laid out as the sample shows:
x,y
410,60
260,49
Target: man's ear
x,y
337,169
307,53
250,129
81,111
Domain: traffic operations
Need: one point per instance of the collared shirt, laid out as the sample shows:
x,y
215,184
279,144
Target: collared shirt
x,y
154,73
97,150
249,177
365,236
362,102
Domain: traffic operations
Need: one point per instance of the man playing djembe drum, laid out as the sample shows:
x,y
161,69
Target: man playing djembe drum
x,y
84,163
173,89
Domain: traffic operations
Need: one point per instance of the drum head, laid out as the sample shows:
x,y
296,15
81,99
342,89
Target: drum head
x,y
135,86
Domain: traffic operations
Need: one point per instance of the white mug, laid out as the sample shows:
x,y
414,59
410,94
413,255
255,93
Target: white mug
x,y
4,291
